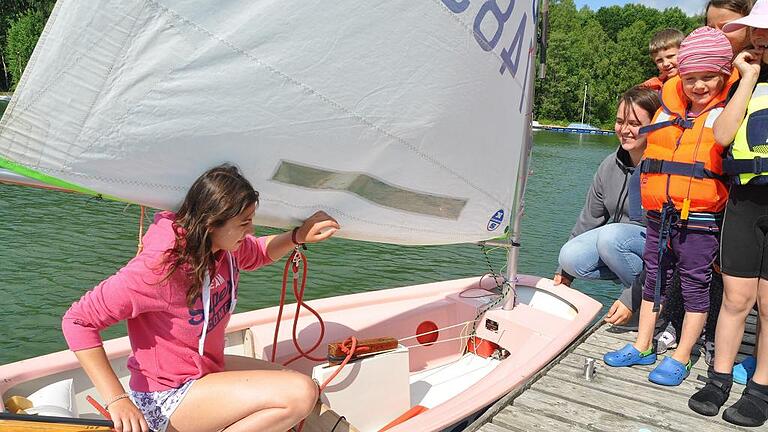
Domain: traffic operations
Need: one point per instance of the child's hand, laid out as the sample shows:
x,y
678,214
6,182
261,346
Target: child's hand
x,y
316,228
748,63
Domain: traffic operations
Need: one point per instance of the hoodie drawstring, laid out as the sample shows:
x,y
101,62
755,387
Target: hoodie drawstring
x,y
207,300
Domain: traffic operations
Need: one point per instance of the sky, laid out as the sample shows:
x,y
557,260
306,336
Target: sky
x,y
690,7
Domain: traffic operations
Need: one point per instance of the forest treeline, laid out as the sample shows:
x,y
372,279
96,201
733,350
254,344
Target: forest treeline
x,y
606,49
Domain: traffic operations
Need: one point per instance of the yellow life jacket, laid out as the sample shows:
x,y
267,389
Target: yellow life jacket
x,y
682,163
747,161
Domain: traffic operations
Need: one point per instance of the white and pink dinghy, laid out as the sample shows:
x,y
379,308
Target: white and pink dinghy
x,y
409,122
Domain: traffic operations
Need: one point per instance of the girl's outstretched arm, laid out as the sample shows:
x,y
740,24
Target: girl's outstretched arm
x,y
316,228
729,121
124,413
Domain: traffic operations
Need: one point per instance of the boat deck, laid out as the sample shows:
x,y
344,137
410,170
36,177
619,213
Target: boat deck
x,y
616,399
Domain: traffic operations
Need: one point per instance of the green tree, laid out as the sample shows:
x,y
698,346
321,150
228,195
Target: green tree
x,y
21,40
10,11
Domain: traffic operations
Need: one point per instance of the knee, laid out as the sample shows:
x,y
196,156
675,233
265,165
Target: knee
x,y
303,397
568,257
734,303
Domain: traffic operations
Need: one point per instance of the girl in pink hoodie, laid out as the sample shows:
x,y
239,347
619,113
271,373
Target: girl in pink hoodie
x,y
177,296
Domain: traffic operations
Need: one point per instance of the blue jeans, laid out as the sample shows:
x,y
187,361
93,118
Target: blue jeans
x,y
610,252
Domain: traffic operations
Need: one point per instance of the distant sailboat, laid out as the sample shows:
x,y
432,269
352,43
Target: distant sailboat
x,y
408,121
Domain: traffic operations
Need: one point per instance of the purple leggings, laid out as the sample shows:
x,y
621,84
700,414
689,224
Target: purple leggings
x,y
692,252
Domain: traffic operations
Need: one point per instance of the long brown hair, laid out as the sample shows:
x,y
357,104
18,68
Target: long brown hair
x,y
218,195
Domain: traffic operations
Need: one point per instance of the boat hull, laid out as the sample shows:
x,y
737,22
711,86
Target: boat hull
x,y
545,321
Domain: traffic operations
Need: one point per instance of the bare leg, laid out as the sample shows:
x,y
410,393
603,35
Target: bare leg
x,y
693,324
761,348
645,326
250,395
739,295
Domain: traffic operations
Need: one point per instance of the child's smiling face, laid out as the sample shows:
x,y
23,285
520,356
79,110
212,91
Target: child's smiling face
x,y
666,61
701,88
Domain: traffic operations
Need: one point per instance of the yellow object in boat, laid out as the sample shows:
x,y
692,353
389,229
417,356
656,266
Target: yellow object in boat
x,y
35,423
17,404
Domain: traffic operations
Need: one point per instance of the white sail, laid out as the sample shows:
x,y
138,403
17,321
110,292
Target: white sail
x,y
404,119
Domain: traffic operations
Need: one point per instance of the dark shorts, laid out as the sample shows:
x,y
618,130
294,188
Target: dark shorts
x,y
744,242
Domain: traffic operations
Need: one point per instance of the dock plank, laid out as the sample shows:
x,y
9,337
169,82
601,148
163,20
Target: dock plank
x,y
616,399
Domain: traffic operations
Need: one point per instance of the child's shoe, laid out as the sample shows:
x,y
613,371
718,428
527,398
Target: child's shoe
x,y
629,356
713,395
666,340
669,372
751,409
742,372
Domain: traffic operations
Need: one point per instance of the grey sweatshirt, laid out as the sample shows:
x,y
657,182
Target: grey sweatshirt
x,y
607,203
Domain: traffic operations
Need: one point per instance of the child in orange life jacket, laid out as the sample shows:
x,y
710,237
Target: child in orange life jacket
x,y
743,126
663,50
683,194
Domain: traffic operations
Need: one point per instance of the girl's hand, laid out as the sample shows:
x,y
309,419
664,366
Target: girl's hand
x,y
748,63
127,417
317,228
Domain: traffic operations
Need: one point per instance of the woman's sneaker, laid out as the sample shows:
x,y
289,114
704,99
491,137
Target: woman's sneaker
x,y
666,340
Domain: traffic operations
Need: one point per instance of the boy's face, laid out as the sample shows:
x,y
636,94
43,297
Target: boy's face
x,y
666,61
701,88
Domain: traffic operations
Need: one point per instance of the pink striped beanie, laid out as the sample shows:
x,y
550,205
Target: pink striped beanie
x,y
706,49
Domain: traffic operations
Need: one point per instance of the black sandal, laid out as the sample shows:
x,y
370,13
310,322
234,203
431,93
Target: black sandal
x,y
751,409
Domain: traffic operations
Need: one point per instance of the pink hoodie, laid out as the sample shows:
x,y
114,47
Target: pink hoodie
x,y
164,332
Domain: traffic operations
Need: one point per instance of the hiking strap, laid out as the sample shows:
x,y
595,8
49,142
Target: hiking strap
x,y
758,165
695,170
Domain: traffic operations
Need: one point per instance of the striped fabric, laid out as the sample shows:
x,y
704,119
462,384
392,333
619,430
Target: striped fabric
x,y
706,49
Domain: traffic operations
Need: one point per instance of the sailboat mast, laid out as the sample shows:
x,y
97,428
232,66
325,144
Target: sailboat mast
x,y
518,204
584,104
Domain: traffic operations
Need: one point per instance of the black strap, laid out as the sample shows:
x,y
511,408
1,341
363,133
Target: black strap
x,y
756,393
695,170
677,121
758,165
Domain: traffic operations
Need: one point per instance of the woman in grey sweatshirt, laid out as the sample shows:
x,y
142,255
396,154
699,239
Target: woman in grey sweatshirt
x,y
605,244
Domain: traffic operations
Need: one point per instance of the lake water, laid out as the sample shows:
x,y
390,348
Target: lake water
x,y
55,246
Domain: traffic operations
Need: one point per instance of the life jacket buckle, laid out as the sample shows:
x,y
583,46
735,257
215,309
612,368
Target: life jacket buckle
x,y
684,123
757,165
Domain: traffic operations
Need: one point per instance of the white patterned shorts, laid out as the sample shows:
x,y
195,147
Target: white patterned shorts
x,y
158,406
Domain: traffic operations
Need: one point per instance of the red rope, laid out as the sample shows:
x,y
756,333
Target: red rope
x,y
292,264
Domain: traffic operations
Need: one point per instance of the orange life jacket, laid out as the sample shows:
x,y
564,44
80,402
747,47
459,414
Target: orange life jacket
x,y
682,163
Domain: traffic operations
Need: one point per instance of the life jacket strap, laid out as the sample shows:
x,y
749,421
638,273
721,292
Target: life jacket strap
x,y
677,121
669,217
758,165
695,170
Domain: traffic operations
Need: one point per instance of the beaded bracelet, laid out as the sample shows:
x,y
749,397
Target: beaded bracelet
x,y
116,398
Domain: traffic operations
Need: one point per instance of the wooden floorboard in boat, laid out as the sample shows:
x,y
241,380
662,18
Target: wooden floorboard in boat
x,y
617,399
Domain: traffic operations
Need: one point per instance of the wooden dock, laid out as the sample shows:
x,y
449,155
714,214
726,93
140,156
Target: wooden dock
x,y
559,398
